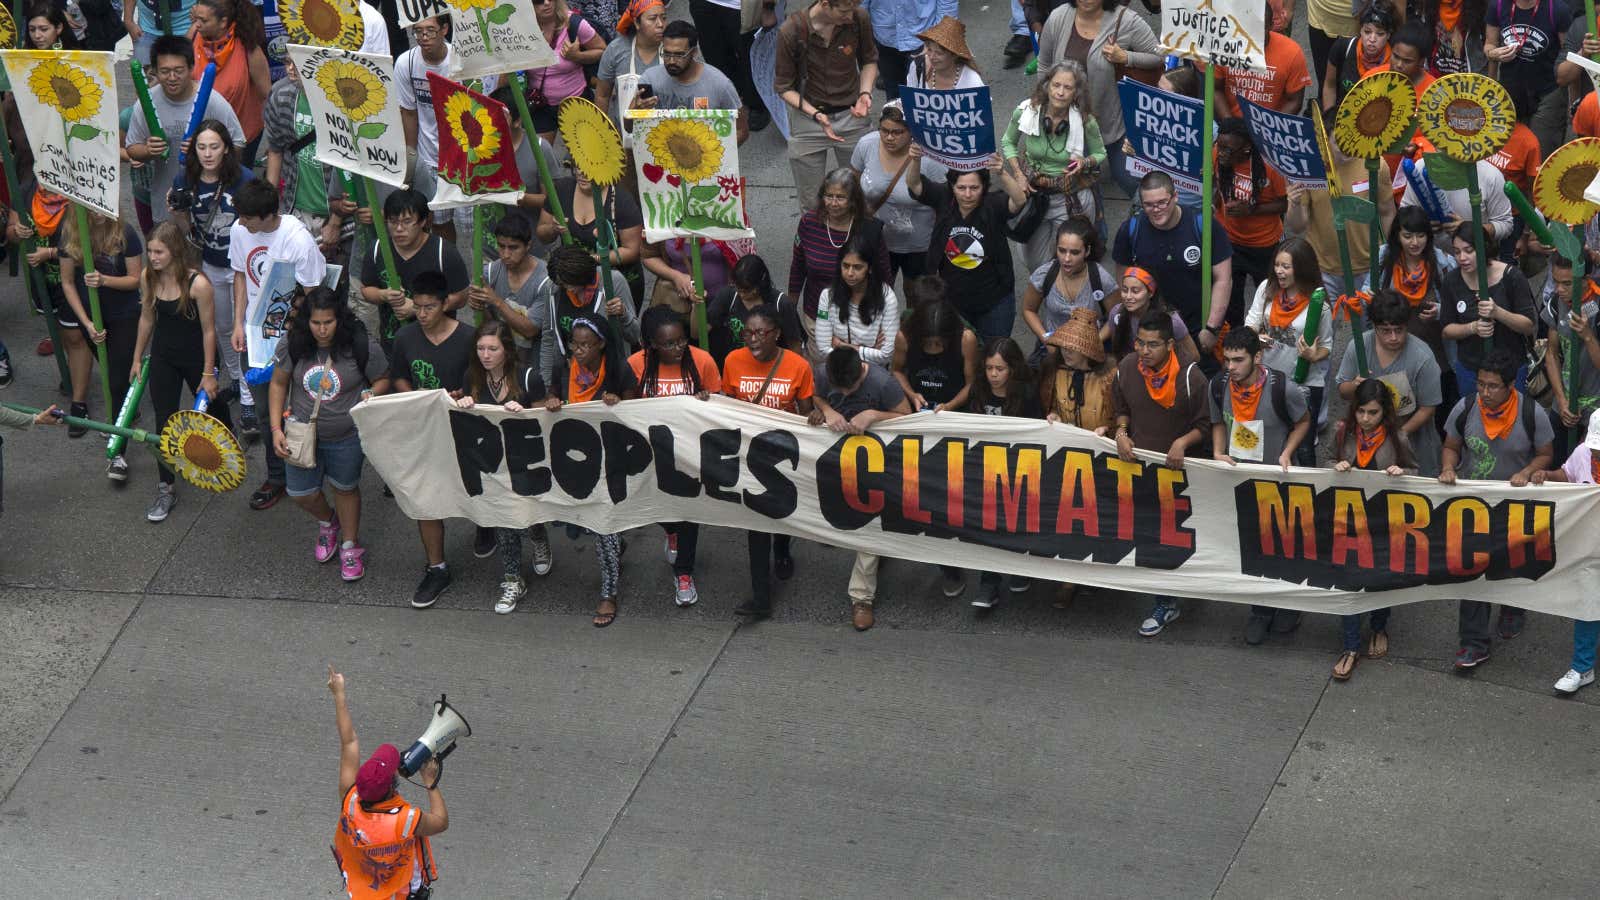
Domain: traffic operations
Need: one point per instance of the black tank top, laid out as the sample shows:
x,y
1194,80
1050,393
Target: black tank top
x,y
178,337
937,378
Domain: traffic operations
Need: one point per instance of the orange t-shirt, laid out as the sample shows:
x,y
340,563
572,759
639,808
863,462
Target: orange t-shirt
x,y
1519,159
1285,73
1586,121
1259,230
742,375
670,380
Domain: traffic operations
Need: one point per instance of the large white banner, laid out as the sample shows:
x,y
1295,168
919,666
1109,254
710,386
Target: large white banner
x,y
67,100
1225,32
356,111
1009,495
492,37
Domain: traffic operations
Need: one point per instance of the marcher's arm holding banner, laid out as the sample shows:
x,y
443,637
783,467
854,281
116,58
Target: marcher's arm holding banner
x,y
1296,437
1013,187
870,417
277,402
1449,458
1219,444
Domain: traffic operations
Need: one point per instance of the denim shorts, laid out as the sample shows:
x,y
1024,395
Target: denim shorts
x,y
337,461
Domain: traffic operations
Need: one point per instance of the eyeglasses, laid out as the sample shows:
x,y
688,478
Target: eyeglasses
x,y
172,72
427,32
760,333
677,344
667,54
1150,345
1156,205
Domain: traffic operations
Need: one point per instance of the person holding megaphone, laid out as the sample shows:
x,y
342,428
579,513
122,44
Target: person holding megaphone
x,y
381,844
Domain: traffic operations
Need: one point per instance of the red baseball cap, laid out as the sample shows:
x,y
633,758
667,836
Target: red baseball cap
x,y
375,781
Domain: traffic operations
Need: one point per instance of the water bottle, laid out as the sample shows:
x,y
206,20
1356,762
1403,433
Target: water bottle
x,y
202,400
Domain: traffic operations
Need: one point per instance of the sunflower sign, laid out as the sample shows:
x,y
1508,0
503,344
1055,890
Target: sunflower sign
x,y
68,104
1561,191
492,37
688,167
476,161
355,110
323,23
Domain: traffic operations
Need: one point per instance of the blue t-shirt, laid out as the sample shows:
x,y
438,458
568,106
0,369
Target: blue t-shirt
x,y
176,12
212,215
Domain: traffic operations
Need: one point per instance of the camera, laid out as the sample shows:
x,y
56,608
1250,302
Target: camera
x,y
180,199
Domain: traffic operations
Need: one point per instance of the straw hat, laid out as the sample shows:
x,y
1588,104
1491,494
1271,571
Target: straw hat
x,y
951,34
1081,332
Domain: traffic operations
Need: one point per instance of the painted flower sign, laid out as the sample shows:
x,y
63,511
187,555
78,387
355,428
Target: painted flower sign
x,y
355,110
68,104
492,37
323,23
594,142
476,159
688,163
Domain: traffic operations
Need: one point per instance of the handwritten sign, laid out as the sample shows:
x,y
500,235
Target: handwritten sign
x,y
495,38
355,110
413,11
954,127
1467,116
67,100
1164,129
1288,143
1223,32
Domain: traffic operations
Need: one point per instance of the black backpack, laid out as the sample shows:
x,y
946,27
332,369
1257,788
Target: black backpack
x,y
1277,389
1527,409
591,70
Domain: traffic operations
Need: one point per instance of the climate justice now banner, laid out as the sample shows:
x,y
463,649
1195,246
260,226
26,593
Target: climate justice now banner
x,y
999,494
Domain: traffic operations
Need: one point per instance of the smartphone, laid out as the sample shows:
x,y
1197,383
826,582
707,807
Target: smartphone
x,y
645,91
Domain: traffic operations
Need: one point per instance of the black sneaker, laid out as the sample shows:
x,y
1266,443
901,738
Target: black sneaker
x,y
266,495
1017,50
1255,630
483,543
1285,621
783,568
249,430
81,411
753,612
5,367
117,470
1511,623
434,581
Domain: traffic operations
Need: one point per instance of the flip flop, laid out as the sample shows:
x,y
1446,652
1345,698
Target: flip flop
x,y
602,619
1378,645
1346,665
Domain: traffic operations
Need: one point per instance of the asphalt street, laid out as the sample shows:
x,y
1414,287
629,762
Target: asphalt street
x,y
168,734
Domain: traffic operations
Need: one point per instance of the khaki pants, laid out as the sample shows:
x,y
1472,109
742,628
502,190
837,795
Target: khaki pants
x,y
809,146
863,579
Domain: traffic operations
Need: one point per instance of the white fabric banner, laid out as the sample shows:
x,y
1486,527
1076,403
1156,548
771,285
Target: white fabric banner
x,y
356,111
67,100
999,494
1226,32
493,37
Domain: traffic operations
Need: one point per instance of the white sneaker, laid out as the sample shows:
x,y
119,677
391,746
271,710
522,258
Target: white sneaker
x,y
542,560
510,593
1573,680
686,593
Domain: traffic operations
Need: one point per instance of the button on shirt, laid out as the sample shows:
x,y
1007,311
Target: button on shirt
x,y
826,73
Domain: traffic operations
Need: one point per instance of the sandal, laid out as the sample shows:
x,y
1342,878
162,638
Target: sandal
x,y
1378,645
602,618
1064,595
1346,665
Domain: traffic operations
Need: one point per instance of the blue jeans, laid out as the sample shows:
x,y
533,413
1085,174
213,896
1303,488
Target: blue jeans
x,y
1117,162
999,319
1019,19
339,462
1584,636
1352,627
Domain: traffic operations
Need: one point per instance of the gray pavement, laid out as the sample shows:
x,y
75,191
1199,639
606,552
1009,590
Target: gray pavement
x,y
167,732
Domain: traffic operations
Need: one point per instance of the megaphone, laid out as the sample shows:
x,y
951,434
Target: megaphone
x,y
438,741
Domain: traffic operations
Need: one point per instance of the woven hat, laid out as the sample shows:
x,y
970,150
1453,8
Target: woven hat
x,y
1081,332
951,34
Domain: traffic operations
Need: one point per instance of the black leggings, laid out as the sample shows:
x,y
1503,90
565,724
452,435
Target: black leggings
x,y
121,336
168,376
764,548
1252,261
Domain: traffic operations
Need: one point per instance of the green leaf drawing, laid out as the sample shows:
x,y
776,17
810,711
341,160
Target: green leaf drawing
x,y
370,130
486,170
501,14
703,193
698,223
83,132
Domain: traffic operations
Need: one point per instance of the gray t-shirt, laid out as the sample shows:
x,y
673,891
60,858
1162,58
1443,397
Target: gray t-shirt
x,y
614,62
174,118
906,223
1056,309
1496,460
879,391
550,356
524,300
1573,352
340,385
1413,381
1274,429
712,90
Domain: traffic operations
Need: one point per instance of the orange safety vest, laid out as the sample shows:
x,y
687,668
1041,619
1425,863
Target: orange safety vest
x,y
378,851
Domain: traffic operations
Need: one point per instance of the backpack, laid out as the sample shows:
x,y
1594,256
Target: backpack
x,y
591,70
1096,283
1527,409
1132,229
1277,389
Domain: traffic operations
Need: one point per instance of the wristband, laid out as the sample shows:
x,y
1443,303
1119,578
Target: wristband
x,y
867,94
815,113
1207,327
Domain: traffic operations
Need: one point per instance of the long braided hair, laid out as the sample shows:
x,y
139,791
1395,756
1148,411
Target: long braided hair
x,y
655,320
1236,127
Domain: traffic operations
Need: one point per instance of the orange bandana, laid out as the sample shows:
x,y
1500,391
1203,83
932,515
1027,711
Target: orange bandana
x,y
581,385
1497,423
1450,14
1246,400
48,210
1410,283
1594,469
218,52
1162,385
1367,444
1285,308
1379,66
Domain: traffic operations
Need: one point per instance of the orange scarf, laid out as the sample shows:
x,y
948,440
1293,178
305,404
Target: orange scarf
x,y
1381,66
1497,422
1410,283
1367,444
1450,14
1246,401
1162,385
218,52
1286,308
48,210
581,386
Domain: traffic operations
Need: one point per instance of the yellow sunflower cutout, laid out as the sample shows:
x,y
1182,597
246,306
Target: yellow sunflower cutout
x,y
471,127
1467,116
323,23
354,91
203,451
1558,191
1374,115
593,141
687,148
8,29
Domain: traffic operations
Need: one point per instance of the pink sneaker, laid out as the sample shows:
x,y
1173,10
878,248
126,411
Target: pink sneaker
x,y
351,564
327,540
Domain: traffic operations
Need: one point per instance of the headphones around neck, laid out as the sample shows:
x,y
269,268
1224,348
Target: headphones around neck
x,y
1054,128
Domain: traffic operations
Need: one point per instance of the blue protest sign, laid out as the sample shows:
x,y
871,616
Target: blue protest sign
x,y
954,127
1287,143
1164,129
